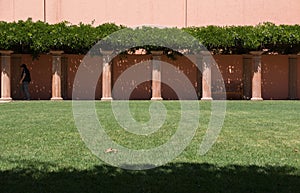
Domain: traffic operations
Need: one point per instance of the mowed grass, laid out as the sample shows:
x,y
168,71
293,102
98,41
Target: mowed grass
x,y
258,150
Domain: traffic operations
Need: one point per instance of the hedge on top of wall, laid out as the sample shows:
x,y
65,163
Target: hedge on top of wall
x,y
39,37
282,39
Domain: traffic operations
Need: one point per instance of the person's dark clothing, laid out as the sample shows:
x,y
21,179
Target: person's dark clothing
x,y
25,82
27,75
26,90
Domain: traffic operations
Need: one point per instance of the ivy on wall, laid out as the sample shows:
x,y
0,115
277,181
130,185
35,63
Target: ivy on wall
x,y
39,37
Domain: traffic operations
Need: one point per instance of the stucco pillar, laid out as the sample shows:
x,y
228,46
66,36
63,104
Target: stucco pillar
x,y
52,11
293,77
206,75
5,75
106,76
156,75
56,75
256,75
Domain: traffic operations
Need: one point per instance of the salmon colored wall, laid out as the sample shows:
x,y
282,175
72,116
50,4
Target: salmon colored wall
x,y
129,13
275,77
53,11
231,68
178,13
243,12
121,63
41,76
70,64
71,68
141,91
184,65
14,10
16,61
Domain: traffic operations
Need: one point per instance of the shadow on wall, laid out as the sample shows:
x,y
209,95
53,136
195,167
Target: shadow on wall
x,y
41,76
231,69
137,67
234,70
275,77
180,177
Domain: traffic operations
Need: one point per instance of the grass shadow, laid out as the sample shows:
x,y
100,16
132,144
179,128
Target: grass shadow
x,y
36,177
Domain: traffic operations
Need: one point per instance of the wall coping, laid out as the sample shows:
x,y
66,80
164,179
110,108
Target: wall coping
x,y
6,52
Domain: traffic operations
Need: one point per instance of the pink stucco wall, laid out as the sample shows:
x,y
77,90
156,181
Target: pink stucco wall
x,y
41,75
129,13
13,10
70,69
127,84
178,13
243,12
275,77
231,69
184,67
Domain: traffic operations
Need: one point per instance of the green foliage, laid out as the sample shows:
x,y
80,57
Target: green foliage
x,y
39,37
284,39
150,38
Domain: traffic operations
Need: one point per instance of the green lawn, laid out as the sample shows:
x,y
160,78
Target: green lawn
x,y
258,150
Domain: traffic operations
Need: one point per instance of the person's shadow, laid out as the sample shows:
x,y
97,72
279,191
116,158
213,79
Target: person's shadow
x,y
37,177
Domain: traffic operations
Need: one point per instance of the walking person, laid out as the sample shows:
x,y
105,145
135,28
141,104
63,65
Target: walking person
x,y
25,80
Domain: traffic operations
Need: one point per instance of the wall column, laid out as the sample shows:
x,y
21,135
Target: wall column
x,y
256,75
5,75
106,76
156,75
52,11
206,75
293,77
56,75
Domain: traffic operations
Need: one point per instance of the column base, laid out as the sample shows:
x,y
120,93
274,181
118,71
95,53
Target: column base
x,y
257,99
5,100
156,99
206,99
56,99
293,98
106,99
